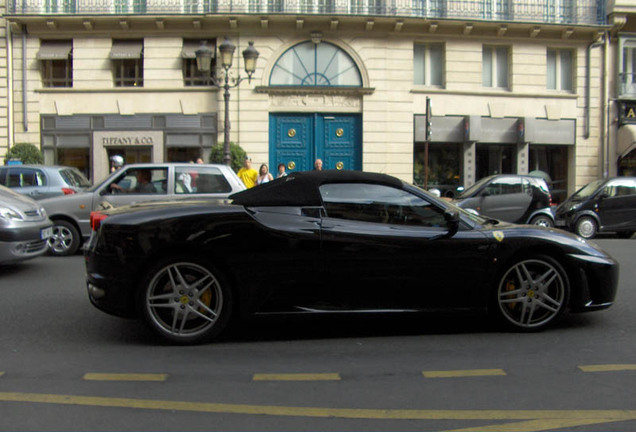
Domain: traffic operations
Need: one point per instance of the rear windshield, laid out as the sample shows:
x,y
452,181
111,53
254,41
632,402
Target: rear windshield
x,y
74,178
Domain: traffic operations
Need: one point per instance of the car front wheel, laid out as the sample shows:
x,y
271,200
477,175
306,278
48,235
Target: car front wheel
x,y
65,240
543,221
185,301
532,293
586,227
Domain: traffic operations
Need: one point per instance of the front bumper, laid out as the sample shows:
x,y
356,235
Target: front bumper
x,y
598,281
23,244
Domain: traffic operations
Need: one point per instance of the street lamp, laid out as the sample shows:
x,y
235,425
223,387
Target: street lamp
x,y
226,50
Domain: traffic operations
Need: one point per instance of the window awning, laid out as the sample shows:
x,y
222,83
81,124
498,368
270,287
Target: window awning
x,y
55,50
626,140
123,50
190,47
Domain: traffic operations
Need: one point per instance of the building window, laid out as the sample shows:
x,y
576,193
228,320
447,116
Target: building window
x,y
128,63
60,6
130,6
428,64
56,63
560,69
310,64
627,74
191,74
495,66
200,6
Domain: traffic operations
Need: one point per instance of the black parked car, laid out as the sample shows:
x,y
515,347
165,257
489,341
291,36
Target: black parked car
x,y
333,242
606,205
512,198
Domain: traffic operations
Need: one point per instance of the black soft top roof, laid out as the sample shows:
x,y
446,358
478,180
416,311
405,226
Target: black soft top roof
x,y
301,188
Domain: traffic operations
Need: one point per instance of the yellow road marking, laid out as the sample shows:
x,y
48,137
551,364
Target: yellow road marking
x,y
1,373
525,420
463,373
124,377
297,377
608,368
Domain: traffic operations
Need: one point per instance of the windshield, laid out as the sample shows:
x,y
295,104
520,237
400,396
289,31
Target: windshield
x,y
472,189
588,190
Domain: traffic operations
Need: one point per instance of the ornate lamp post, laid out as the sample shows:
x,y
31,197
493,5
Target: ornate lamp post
x,y
204,61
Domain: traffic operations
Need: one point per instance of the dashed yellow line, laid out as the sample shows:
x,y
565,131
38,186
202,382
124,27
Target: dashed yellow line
x,y
463,373
124,377
297,377
608,368
519,420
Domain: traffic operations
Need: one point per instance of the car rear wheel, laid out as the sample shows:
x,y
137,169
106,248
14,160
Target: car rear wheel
x,y
532,293
542,220
65,240
586,227
185,301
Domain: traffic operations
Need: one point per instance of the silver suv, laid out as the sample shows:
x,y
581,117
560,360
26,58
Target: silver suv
x,y
132,184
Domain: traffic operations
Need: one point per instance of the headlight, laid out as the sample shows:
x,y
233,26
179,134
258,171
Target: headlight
x,y
8,214
43,212
573,207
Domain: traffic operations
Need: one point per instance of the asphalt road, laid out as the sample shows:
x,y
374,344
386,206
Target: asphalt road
x,y
66,366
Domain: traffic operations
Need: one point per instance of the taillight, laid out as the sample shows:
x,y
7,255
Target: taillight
x,y
96,219
68,191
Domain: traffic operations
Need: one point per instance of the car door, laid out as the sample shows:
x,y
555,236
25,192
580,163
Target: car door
x,y
386,248
507,198
617,205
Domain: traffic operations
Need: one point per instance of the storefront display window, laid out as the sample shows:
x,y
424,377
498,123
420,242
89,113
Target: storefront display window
x,y
75,157
495,159
550,162
444,167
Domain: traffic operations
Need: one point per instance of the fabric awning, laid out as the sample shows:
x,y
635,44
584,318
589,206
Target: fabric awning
x,y
123,50
190,47
626,140
55,50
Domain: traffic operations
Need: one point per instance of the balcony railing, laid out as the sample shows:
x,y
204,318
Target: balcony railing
x,y
573,12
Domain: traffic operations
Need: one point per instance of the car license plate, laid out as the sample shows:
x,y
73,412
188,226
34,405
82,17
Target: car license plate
x,y
46,233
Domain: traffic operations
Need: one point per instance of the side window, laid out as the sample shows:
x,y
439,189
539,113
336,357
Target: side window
x,y
25,177
620,188
505,186
141,181
200,180
379,204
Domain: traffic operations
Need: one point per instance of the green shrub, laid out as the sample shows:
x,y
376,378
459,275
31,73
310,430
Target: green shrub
x,y
26,152
237,155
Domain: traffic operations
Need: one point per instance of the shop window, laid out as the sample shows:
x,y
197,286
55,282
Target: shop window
x,y
495,159
428,64
495,66
56,63
183,154
550,162
444,167
191,74
127,57
75,157
310,64
560,69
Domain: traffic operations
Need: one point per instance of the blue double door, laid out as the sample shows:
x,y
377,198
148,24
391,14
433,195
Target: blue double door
x,y
297,140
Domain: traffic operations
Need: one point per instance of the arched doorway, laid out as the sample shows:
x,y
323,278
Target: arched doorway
x,y
319,128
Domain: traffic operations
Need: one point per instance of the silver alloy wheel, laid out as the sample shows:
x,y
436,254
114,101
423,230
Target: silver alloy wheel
x,y
532,293
183,301
61,240
543,221
586,227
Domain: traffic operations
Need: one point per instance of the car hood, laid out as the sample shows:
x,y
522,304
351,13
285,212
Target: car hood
x,y
16,201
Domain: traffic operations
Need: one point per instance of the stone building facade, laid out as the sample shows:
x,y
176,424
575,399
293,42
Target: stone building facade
x,y
515,86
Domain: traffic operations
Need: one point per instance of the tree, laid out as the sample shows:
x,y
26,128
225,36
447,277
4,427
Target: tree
x,y
26,152
237,155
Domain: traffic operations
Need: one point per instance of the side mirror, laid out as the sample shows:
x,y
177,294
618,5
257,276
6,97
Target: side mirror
x,y
452,221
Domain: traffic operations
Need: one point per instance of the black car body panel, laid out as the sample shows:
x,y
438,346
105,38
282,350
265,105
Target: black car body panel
x,y
306,258
610,202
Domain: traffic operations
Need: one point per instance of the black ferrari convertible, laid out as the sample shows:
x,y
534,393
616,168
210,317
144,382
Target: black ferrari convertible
x,y
333,242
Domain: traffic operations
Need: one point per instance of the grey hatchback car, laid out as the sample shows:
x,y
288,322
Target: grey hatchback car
x,y
24,227
43,181
133,184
